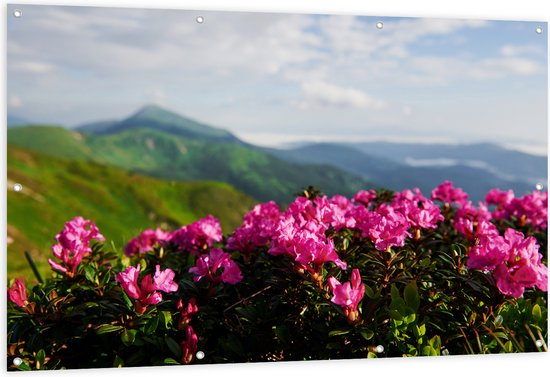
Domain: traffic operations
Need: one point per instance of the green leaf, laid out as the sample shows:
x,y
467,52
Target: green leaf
x,y
371,355
419,331
151,326
166,318
129,303
508,347
104,329
409,319
24,366
339,332
173,346
395,293
429,351
411,296
128,337
90,273
40,357
118,363
394,314
369,292
435,342
170,361
367,334
537,314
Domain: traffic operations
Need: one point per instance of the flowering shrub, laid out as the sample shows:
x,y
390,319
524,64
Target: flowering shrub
x,y
382,274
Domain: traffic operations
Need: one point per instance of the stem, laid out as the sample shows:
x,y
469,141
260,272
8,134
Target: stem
x,y
33,267
532,336
246,298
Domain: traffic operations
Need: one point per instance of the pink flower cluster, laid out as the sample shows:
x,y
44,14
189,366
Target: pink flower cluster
x,y
73,243
256,230
217,266
348,295
365,197
146,241
385,226
194,238
474,221
300,233
147,293
420,212
448,194
514,260
389,224
18,293
531,208
198,236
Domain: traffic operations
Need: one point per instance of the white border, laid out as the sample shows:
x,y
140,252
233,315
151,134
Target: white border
x,y
509,365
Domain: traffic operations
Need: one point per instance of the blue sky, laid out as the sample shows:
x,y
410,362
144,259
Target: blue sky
x,y
274,78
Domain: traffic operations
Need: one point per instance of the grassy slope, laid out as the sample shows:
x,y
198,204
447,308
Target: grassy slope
x,y
161,154
121,203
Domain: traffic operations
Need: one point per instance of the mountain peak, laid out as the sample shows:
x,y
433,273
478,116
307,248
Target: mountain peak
x,y
160,119
152,109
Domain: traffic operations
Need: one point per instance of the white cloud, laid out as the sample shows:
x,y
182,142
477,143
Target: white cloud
x,y
117,58
31,67
515,50
14,101
320,94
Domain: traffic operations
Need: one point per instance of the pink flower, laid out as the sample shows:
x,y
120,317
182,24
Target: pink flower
x,y
501,199
316,252
18,293
187,312
342,212
419,211
257,229
347,295
490,251
210,266
473,221
448,194
189,345
73,244
146,293
365,197
531,209
514,259
198,236
523,267
307,245
385,227
300,232
146,241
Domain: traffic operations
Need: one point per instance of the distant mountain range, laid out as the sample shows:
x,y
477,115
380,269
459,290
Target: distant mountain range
x,y
161,143
476,168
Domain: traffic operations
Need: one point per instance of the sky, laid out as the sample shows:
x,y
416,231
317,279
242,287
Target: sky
x,y
277,78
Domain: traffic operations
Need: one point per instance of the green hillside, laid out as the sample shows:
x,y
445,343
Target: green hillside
x,y
52,140
120,202
154,152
